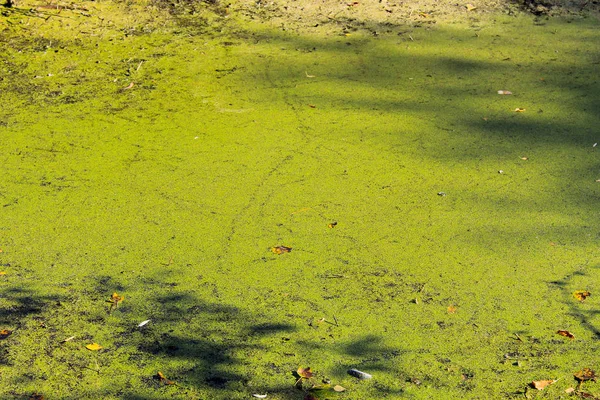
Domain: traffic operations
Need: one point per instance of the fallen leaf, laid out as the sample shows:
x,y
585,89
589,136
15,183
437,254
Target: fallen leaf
x,y
339,388
524,158
585,374
4,333
353,4
581,295
160,376
312,106
540,385
68,339
308,76
129,87
93,347
259,396
470,7
519,109
304,373
2,273
451,309
143,323
332,225
566,334
569,390
281,249
504,92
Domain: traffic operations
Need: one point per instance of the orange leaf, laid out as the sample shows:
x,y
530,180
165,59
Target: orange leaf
x,y
281,249
581,295
451,309
305,372
540,385
160,376
4,333
566,334
332,225
93,347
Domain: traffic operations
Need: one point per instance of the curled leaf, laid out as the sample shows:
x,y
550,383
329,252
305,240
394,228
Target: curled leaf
x,y
540,385
305,373
581,295
4,333
93,347
585,374
281,249
566,334
519,109
161,377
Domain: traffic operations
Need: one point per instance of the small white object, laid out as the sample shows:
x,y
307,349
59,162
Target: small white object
x,y
500,172
595,144
143,323
504,92
359,374
259,396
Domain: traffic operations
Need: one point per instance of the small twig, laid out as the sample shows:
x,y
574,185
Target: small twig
x,y
139,65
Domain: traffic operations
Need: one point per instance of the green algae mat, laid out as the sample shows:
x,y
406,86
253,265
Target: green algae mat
x,y
212,206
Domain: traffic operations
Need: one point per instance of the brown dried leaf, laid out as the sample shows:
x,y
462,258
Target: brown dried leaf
x,y
332,225
585,374
540,385
581,295
305,373
281,249
566,334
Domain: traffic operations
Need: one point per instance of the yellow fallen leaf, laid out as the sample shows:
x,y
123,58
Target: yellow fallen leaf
x,y
93,347
305,372
581,295
519,109
164,379
470,7
2,273
540,385
451,309
281,249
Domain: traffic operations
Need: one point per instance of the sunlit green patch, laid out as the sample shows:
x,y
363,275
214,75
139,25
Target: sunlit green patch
x,y
163,162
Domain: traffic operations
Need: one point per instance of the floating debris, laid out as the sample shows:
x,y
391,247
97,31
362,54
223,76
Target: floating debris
x,y
359,374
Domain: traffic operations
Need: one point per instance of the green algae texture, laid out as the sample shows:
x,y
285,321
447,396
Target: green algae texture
x,y
161,159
